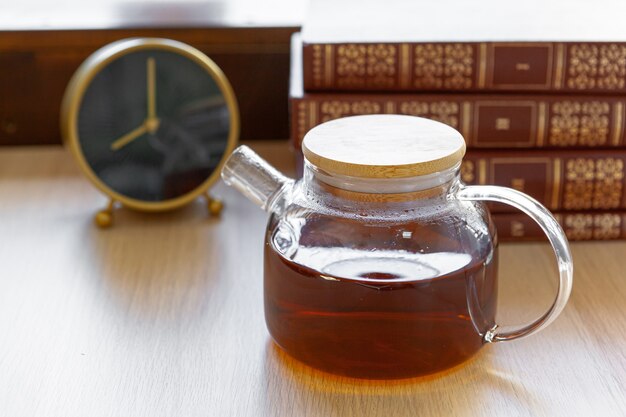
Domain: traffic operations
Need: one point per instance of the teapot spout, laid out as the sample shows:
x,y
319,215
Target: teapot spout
x,y
253,177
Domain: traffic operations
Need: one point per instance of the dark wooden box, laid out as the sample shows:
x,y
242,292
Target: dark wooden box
x,y
36,65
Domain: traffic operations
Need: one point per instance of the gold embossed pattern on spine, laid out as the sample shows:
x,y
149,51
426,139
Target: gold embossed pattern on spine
x,y
385,66
609,183
574,123
366,65
612,69
578,226
301,120
316,66
350,65
562,123
447,112
606,226
603,226
462,66
334,109
593,183
596,66
449,66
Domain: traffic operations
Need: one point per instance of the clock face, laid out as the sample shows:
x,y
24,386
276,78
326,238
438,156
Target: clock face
x,y
153,125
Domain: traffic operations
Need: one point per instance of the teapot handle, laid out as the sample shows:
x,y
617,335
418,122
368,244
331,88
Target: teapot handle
x,y
557,239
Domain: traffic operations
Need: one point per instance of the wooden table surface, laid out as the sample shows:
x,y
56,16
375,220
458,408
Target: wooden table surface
x,y
162,315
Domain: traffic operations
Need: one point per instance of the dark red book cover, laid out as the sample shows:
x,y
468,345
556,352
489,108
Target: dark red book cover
x,y
560,180
559,176
485,121
579,225
464,46
491,121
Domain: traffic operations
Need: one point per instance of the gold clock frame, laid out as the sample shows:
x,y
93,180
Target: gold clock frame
x,y
73,98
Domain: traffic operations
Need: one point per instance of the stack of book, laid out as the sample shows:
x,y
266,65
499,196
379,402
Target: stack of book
x,y
539,94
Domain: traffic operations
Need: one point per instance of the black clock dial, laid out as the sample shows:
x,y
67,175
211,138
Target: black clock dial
x,y
153,125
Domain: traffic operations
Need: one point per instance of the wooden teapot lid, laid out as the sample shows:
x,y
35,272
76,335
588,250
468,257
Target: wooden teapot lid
x,y
383,146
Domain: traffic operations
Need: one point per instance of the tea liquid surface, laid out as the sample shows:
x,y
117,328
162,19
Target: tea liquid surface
x,y
397,301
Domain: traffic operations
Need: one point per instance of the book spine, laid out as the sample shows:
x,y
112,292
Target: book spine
x,y
487,66
560,180
486,121
565,182
577,226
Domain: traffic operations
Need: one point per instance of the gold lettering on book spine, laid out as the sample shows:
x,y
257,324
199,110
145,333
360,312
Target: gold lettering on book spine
x,y
517,229
447,66
593,183
573,123
366,65
518,184
503,123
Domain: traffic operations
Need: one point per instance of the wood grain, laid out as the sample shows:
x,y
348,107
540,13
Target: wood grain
x,y
383,146
162,315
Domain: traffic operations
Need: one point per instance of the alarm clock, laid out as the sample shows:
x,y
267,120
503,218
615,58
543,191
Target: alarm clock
x,y
150,122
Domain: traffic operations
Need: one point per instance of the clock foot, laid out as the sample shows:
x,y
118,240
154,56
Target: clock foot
x,y
214,206
104,218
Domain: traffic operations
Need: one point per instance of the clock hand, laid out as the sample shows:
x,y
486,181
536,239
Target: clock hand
x,y
151,91
130,136
151,124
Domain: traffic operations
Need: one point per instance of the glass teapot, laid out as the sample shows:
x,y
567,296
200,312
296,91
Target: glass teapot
x,y
379,262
